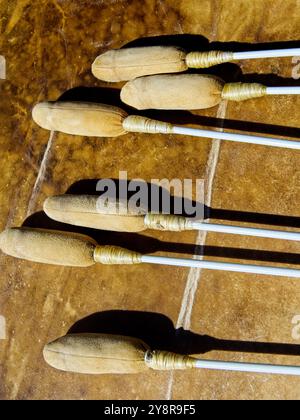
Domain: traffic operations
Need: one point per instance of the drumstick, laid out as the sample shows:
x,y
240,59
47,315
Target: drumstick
x,y
69,249
97,354
98,120
130,63
192,91
94,212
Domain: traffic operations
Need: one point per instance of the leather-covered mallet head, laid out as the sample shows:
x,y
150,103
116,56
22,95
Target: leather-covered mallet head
x,y
116,215
97,354
187,91
94,212
110,354
85,119
62,248
90,119
129,63
48,247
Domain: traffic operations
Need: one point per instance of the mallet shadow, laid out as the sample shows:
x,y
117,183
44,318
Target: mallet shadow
x,y
192,42
158,331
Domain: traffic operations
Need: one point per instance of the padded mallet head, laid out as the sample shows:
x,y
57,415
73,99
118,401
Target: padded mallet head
x,y
129,63
94,212
83,119
104,353
48,247
187,91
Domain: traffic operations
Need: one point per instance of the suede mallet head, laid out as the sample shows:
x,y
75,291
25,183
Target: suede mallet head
x,y
48,247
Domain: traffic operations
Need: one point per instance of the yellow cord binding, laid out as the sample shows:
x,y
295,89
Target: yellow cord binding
x,y
167,222
164,360
115,255
137,124
198,60
243,91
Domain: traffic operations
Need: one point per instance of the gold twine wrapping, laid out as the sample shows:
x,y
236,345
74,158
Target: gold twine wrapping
x,y
243,91
164,360
203,60
167,222
110,255
137,124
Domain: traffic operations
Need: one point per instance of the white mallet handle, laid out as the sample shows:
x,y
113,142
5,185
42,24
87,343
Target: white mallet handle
x,y
248,367
248,55
239,138
221,266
